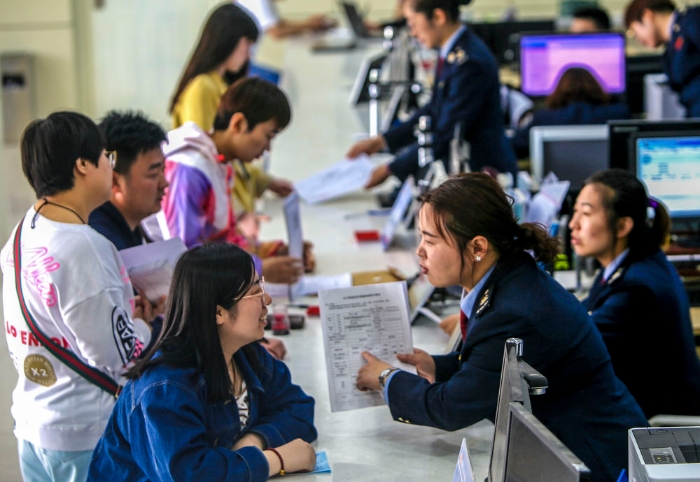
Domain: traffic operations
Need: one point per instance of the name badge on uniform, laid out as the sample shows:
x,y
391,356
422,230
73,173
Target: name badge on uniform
x,y
484,302
458,56
615,275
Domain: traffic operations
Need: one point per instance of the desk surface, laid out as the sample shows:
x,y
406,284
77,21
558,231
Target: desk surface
x,y
361,444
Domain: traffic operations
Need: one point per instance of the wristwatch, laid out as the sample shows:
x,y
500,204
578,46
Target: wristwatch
x,y
384,374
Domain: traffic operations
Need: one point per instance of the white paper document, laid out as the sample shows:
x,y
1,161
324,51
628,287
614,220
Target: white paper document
x,y
309,285
292,219
398,211
150,266
545,205
371,318
336,181
295,238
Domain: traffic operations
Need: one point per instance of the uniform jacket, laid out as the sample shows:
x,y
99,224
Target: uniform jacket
x,y
585,406
164,429
681,61
577,113
643,314
467,91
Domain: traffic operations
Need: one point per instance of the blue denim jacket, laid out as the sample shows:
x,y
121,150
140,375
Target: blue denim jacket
x,y
163,428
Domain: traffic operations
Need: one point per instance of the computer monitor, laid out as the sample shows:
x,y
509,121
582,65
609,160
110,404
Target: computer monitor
x,y
544,58
502,38
535,454
620,145
669,166
573,153
357,23
360,89
517,380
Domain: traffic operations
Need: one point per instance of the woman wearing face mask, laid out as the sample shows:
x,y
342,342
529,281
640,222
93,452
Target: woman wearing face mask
x,y
221,58
471,238
638,301
223,49
207,402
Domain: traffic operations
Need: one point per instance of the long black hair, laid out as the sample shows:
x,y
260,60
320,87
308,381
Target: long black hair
x,y
226,26
474,204
626,196
204,277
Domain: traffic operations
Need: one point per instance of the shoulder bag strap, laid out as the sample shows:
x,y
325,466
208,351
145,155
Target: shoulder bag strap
x,y
91,374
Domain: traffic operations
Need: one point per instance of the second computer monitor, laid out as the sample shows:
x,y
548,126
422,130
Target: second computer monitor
x,y
669,167
544,58
620,140
573,153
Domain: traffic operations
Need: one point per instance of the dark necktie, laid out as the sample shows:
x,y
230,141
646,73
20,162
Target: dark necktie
x,y
463,320
440,64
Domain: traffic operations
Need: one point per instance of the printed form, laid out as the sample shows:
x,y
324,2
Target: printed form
x,y
371,318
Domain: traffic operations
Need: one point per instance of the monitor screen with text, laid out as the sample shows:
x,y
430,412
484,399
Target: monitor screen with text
x,y
670,169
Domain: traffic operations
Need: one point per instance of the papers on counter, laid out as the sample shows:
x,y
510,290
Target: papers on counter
x,y
150,266
371,318
338,180
309,285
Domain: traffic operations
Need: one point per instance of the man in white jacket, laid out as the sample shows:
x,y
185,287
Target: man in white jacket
x,y
197,205
77,291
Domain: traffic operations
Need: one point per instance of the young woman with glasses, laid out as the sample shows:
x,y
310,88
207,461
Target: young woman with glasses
x,y
208,402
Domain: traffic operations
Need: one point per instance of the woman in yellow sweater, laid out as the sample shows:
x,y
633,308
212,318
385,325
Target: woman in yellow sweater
x,y
222,52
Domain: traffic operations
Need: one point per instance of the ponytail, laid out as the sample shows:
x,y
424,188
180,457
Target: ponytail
x,y
533,237
660,225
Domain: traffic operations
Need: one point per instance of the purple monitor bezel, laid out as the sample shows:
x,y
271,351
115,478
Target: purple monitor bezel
x,y
538,91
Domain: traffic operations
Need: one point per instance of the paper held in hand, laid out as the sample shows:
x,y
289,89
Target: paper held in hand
x,y
150,266
371,318
338,180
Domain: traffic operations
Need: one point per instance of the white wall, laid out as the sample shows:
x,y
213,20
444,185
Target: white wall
x,y
45,29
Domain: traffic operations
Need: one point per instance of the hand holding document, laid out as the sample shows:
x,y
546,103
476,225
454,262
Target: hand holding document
x,y
371,318
340,179
150,266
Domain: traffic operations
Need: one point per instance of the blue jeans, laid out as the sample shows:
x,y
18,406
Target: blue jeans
x,y
42,465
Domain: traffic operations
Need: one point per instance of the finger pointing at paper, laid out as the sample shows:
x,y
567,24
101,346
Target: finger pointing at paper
x,y
368,375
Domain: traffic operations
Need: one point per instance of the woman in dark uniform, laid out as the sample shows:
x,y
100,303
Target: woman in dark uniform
x,y
638,301
471,238
466,91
